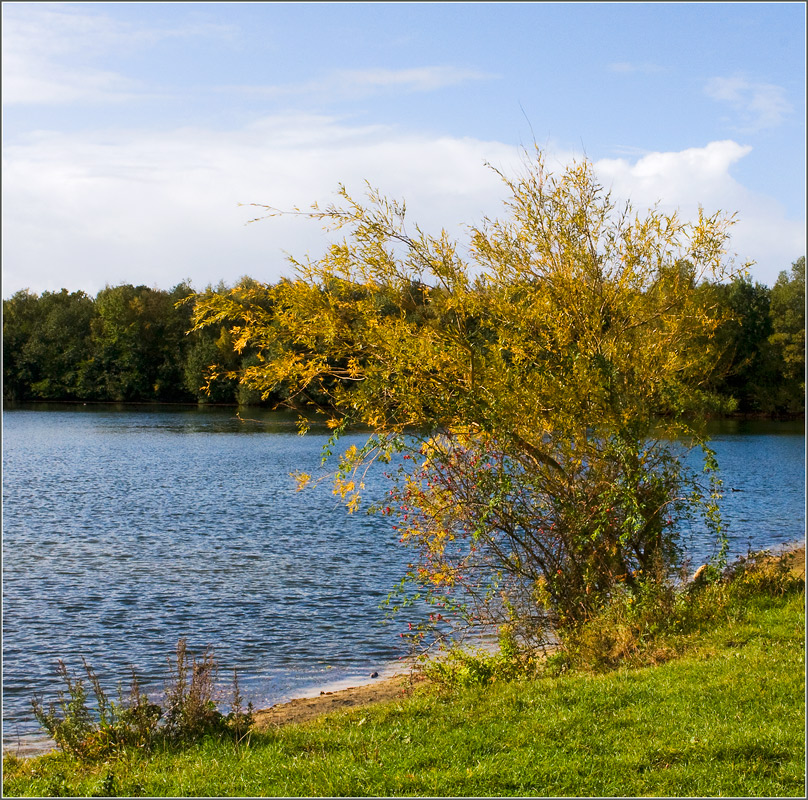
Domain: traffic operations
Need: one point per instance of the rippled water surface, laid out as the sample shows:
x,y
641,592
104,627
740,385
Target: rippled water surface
x,y
125,530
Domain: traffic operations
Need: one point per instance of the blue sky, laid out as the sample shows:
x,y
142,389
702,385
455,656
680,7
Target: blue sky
x,y
133,131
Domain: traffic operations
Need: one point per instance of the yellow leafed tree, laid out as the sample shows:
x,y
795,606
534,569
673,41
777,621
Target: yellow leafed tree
x,y
531,385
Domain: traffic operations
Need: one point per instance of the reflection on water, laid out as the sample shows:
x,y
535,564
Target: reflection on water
x,y
125,530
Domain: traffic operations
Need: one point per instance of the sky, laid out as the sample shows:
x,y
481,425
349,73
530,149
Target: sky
x,y
136,135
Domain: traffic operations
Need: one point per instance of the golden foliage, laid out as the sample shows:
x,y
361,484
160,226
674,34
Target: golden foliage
x,y
562,339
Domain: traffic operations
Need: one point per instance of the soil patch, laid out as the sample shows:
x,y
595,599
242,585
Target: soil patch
x,y
308,708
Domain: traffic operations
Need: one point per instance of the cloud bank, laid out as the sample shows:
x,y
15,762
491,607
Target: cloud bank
x,y
85,209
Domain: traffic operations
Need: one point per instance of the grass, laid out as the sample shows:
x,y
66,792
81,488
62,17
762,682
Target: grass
x,y
727,717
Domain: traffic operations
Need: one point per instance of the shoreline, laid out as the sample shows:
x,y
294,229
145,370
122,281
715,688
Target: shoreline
x,y
297,710
390,684
743,416
305,709
342,693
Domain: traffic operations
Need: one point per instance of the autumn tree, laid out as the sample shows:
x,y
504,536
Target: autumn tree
x,y
526,392
218,356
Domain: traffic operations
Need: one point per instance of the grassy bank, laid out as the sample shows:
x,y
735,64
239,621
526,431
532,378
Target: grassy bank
x,y
725,717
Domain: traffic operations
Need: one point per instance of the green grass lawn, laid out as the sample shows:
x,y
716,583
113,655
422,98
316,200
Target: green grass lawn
x,y
726,718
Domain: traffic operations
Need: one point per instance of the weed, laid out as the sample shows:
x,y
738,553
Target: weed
x,y
463,667
70,729
760,573
57,786
134,722
239,720
130,722
109,786
190,706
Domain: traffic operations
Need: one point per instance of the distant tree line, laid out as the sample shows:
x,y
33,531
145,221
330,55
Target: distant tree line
x,y
128,344
135,344
763,343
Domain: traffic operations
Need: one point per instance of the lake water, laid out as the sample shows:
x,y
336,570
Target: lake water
x,y
124,530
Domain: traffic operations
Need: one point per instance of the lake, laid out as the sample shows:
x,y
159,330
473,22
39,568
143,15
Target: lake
x,y
124,530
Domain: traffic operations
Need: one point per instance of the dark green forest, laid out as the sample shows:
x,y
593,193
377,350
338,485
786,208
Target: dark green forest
x,y
135,344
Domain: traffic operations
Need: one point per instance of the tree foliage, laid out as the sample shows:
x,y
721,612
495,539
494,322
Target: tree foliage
x,y
69,346
46,343
788,323
761,342
749,366
136,332
528,388
129,343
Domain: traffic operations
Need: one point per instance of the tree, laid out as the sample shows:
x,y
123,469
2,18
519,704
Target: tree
x,y
215,362
139,344
210,347
527,393
788,336
751,369
19,320
46,344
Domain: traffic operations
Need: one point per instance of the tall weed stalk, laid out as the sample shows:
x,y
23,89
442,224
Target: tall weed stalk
x,y
190,711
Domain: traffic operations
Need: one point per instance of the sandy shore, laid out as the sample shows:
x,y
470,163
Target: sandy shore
x,y
306,708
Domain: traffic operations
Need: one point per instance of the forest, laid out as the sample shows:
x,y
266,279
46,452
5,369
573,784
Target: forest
x,y
136,344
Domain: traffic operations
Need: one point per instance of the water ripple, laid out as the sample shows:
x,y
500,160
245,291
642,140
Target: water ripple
x,y
123,531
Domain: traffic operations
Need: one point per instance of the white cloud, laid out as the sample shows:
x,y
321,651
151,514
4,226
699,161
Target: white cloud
x,y
31,80
418,79
698,174
760,105
81,210
49,55
701,176
49,50
37,50
360,83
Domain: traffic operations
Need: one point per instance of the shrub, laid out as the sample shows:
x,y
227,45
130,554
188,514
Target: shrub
x,y
533,381
477,667
649,625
